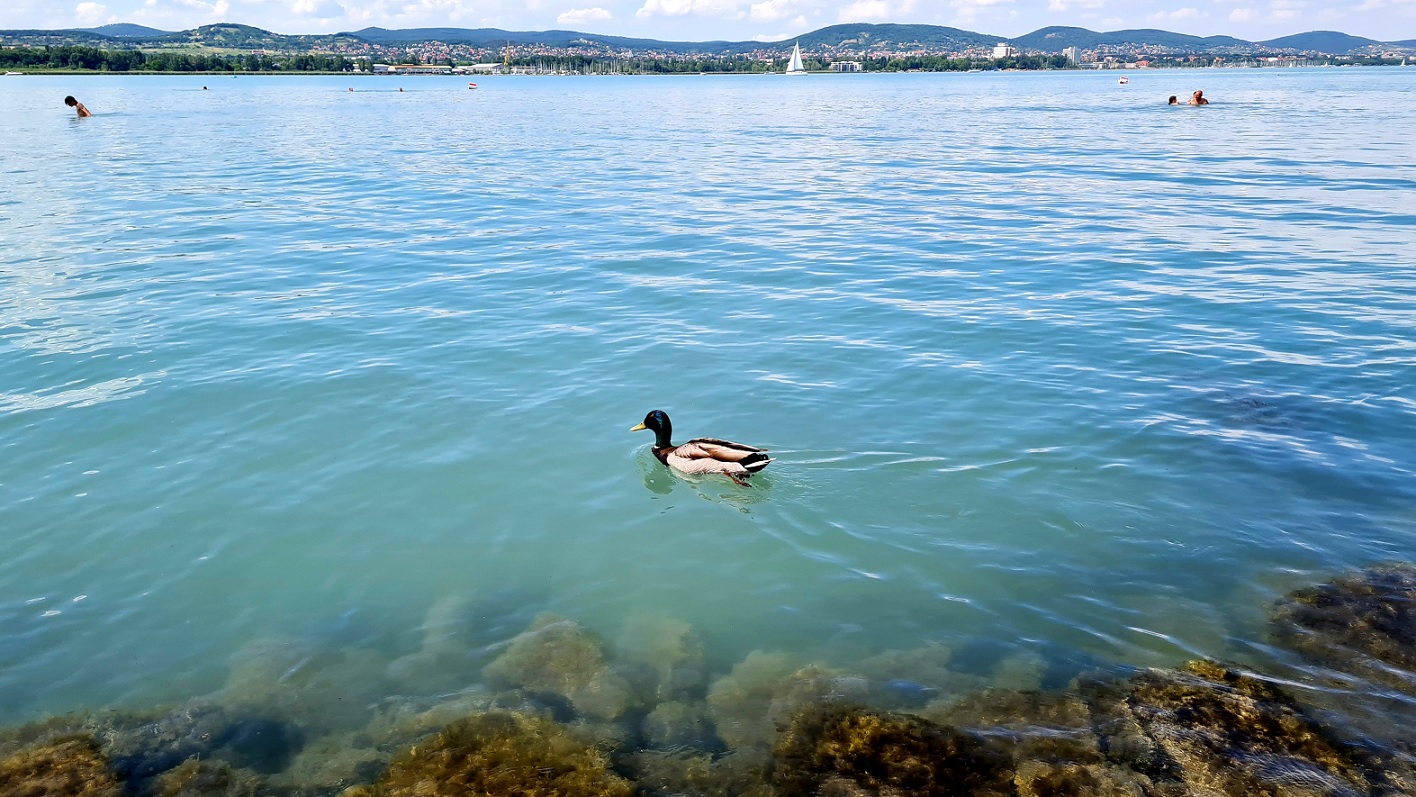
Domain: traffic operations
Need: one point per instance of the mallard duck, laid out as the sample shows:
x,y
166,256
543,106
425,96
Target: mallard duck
x,y
703,454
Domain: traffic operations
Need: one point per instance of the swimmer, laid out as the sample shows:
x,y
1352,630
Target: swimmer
x,y
1173,100
1198,98
400,88
77,106
204,88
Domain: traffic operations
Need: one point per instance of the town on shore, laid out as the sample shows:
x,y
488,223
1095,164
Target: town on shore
x,y
839,48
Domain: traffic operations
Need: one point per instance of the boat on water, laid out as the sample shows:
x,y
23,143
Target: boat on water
x,y
1123,81
13,74
796,67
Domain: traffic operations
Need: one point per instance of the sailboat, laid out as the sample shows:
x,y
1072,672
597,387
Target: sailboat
x,y
796,67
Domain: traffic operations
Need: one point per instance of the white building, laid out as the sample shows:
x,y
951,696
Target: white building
x,y
845,66
1005,50
1073,56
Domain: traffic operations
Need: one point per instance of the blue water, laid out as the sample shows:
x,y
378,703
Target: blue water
x,y
1047,367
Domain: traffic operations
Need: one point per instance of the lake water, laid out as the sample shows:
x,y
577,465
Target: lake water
x,y
1052,372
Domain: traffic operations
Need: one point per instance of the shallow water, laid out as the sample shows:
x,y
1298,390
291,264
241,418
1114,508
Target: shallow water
x,y
1046,365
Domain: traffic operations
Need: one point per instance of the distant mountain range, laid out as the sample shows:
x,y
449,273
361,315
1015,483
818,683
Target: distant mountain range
x,y
862,38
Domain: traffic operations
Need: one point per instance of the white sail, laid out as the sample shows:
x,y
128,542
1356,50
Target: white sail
x,y
796,67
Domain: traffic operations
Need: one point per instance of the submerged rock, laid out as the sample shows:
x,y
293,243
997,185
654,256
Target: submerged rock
x,y
499,754
1052,726
208,779
1219,731
740,774
314,690
766,689
557,657
671,649
678,725
846,750
66,767
911,678
1364,623
445,660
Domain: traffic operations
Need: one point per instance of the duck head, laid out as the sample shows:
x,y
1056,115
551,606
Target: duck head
x,y
658,421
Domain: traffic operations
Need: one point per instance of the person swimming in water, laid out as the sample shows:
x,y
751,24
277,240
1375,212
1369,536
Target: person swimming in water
x,y
1173,100
77,106
1198,98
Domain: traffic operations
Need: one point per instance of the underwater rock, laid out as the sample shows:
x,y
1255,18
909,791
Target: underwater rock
x,y
332,763
911,678
1221,732
1022,671
64,767
1070,779
740,774
1364,623
207,779
198,728
557,657
316,691
1055,726
848,750
764,689
445,660
678,725
669,648
499,754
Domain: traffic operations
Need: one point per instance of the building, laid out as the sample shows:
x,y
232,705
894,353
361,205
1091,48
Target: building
x,y
419,69
845,66
1073,57
1005,50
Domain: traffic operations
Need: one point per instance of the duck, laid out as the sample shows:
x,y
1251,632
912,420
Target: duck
x,y
703,454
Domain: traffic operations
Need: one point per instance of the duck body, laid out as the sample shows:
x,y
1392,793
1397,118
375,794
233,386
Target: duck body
x,y
703,455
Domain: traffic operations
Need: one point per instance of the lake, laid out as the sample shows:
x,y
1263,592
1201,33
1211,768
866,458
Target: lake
x,y
1056,377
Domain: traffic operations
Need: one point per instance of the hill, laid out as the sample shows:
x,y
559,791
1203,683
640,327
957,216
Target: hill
x,y
1054,39
496,37
865,37
1321,41
124,30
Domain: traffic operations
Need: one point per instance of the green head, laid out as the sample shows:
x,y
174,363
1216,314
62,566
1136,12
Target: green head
x,y
657,420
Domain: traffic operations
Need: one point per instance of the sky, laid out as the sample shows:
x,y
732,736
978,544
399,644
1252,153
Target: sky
x,y
735,20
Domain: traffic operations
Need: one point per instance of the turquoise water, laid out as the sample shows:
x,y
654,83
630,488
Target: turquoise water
x,y
1048,368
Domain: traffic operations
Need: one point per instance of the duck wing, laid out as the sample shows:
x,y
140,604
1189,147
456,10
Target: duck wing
x,y
721,450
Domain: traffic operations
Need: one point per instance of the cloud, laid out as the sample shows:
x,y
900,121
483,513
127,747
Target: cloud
x,y
1178,15
771,10
1068,5
580,16
864,11
322,9
1243,15
90,13
681,8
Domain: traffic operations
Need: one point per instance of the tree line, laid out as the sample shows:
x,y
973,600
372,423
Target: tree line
x,y
79,56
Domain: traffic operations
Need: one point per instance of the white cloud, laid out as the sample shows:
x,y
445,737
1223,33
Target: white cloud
x,y
1243,15
1068,5
1178,15
771,10
90,13
681,8
580,16
864,11
322,9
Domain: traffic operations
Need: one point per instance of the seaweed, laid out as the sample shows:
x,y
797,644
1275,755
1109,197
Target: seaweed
x,y
500,753
208,779
557,657
853,750
72,766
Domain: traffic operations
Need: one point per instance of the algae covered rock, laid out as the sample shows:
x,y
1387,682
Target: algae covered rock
x,y
207,779
848,750
501,754
557,657
1071,779
766,689
671,650
740,774
1055,726
910,678
1363,623
1222,732
678,725
65,767
445,660
316,691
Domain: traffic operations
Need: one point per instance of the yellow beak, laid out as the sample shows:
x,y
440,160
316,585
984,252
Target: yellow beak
x,y
641,427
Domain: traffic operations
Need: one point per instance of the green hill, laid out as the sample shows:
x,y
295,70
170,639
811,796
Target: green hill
x,y
125,30
1321,41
